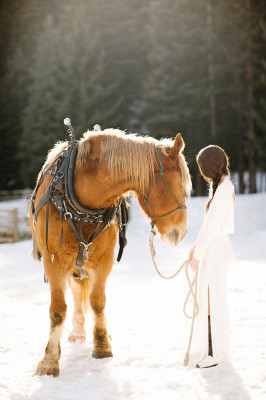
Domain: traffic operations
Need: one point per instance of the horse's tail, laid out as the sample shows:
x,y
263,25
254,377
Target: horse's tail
x,y
85,294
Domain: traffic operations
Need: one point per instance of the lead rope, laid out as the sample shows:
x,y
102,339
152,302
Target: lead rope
x,y
191,291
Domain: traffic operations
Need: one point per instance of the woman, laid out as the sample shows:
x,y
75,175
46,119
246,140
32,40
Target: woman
x,y
212,254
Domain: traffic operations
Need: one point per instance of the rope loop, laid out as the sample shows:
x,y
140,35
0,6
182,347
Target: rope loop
x,y
191,292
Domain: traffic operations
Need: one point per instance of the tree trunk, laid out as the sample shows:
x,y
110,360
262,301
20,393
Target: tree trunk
x,y
240,155
249,114
211,69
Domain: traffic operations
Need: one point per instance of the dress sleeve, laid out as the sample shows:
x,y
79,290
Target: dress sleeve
x,y
212,223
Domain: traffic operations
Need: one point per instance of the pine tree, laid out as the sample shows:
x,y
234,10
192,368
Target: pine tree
x,y
155,66
11,100
20,26
238,50
121,33
259,46
176,93
72,75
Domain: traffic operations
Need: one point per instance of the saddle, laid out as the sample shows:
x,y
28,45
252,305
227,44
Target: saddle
x,y
61,193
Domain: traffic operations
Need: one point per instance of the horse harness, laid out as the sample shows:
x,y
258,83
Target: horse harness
x,y
61,193
161,176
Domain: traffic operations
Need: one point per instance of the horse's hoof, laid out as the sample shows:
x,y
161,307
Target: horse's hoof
x,y
48,368
102,354
75,338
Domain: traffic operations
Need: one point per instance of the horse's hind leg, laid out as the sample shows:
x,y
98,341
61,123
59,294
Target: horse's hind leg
x,y
79,291
102,347
49,365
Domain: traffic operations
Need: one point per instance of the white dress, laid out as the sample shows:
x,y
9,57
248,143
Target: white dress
x,y
213,248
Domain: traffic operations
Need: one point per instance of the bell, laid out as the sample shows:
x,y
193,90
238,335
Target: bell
x,y
67,121
97,128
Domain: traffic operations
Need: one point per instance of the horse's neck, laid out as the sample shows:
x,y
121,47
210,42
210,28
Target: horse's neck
x,y
98,188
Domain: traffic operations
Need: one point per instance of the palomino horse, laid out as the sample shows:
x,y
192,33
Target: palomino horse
x,y
109,164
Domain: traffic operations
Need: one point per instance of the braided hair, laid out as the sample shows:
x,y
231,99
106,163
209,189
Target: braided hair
x,y
213,163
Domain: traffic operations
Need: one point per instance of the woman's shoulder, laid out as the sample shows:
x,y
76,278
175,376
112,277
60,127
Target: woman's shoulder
x,y
223,194
226,188
226,185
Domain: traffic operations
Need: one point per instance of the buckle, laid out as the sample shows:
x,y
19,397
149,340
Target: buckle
x,y
67,214
86,247
31,197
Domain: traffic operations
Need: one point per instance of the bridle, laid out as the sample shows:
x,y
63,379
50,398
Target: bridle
x,y
161,176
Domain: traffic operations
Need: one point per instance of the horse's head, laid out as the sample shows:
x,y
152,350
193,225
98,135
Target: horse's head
x,y
164,200
155,170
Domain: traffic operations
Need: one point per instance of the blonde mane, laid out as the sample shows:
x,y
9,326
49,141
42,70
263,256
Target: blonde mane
x,y
131,155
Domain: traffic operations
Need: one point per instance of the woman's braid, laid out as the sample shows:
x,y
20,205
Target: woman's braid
x,y
213,188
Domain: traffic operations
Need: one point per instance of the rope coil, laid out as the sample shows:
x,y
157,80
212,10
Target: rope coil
x,y
191,291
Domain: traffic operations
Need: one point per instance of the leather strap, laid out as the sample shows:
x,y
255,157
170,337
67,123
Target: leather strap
x,y
69,188
122,221
61,193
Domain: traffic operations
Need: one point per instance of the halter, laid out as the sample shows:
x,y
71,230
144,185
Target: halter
x,y
148,191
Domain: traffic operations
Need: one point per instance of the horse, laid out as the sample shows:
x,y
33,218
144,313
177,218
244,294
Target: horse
x,y
109,165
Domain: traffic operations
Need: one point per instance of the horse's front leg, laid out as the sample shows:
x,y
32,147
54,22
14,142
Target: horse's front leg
x,y
80,293
102,347
49,365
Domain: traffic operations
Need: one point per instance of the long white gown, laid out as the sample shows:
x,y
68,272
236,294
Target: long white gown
x,y
214,249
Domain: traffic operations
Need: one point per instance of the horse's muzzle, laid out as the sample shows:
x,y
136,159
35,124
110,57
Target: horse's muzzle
x,y
173,237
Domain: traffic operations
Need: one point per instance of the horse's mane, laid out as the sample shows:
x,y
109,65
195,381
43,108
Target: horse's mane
x,y
127,154
131,155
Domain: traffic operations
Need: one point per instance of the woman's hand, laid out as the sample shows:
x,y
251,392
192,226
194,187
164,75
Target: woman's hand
x,y
194,264
191,253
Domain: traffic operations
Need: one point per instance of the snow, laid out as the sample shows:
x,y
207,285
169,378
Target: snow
x,y
145,319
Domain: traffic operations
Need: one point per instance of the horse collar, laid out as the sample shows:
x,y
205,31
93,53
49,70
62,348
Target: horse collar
x,y
61,193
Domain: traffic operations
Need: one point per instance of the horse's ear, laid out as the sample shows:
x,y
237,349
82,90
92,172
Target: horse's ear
x,y
178,146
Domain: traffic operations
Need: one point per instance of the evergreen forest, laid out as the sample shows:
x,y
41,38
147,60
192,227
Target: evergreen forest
x,y
155,67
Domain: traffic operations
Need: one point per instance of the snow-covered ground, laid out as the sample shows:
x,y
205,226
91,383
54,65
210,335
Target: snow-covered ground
x,y
145,319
